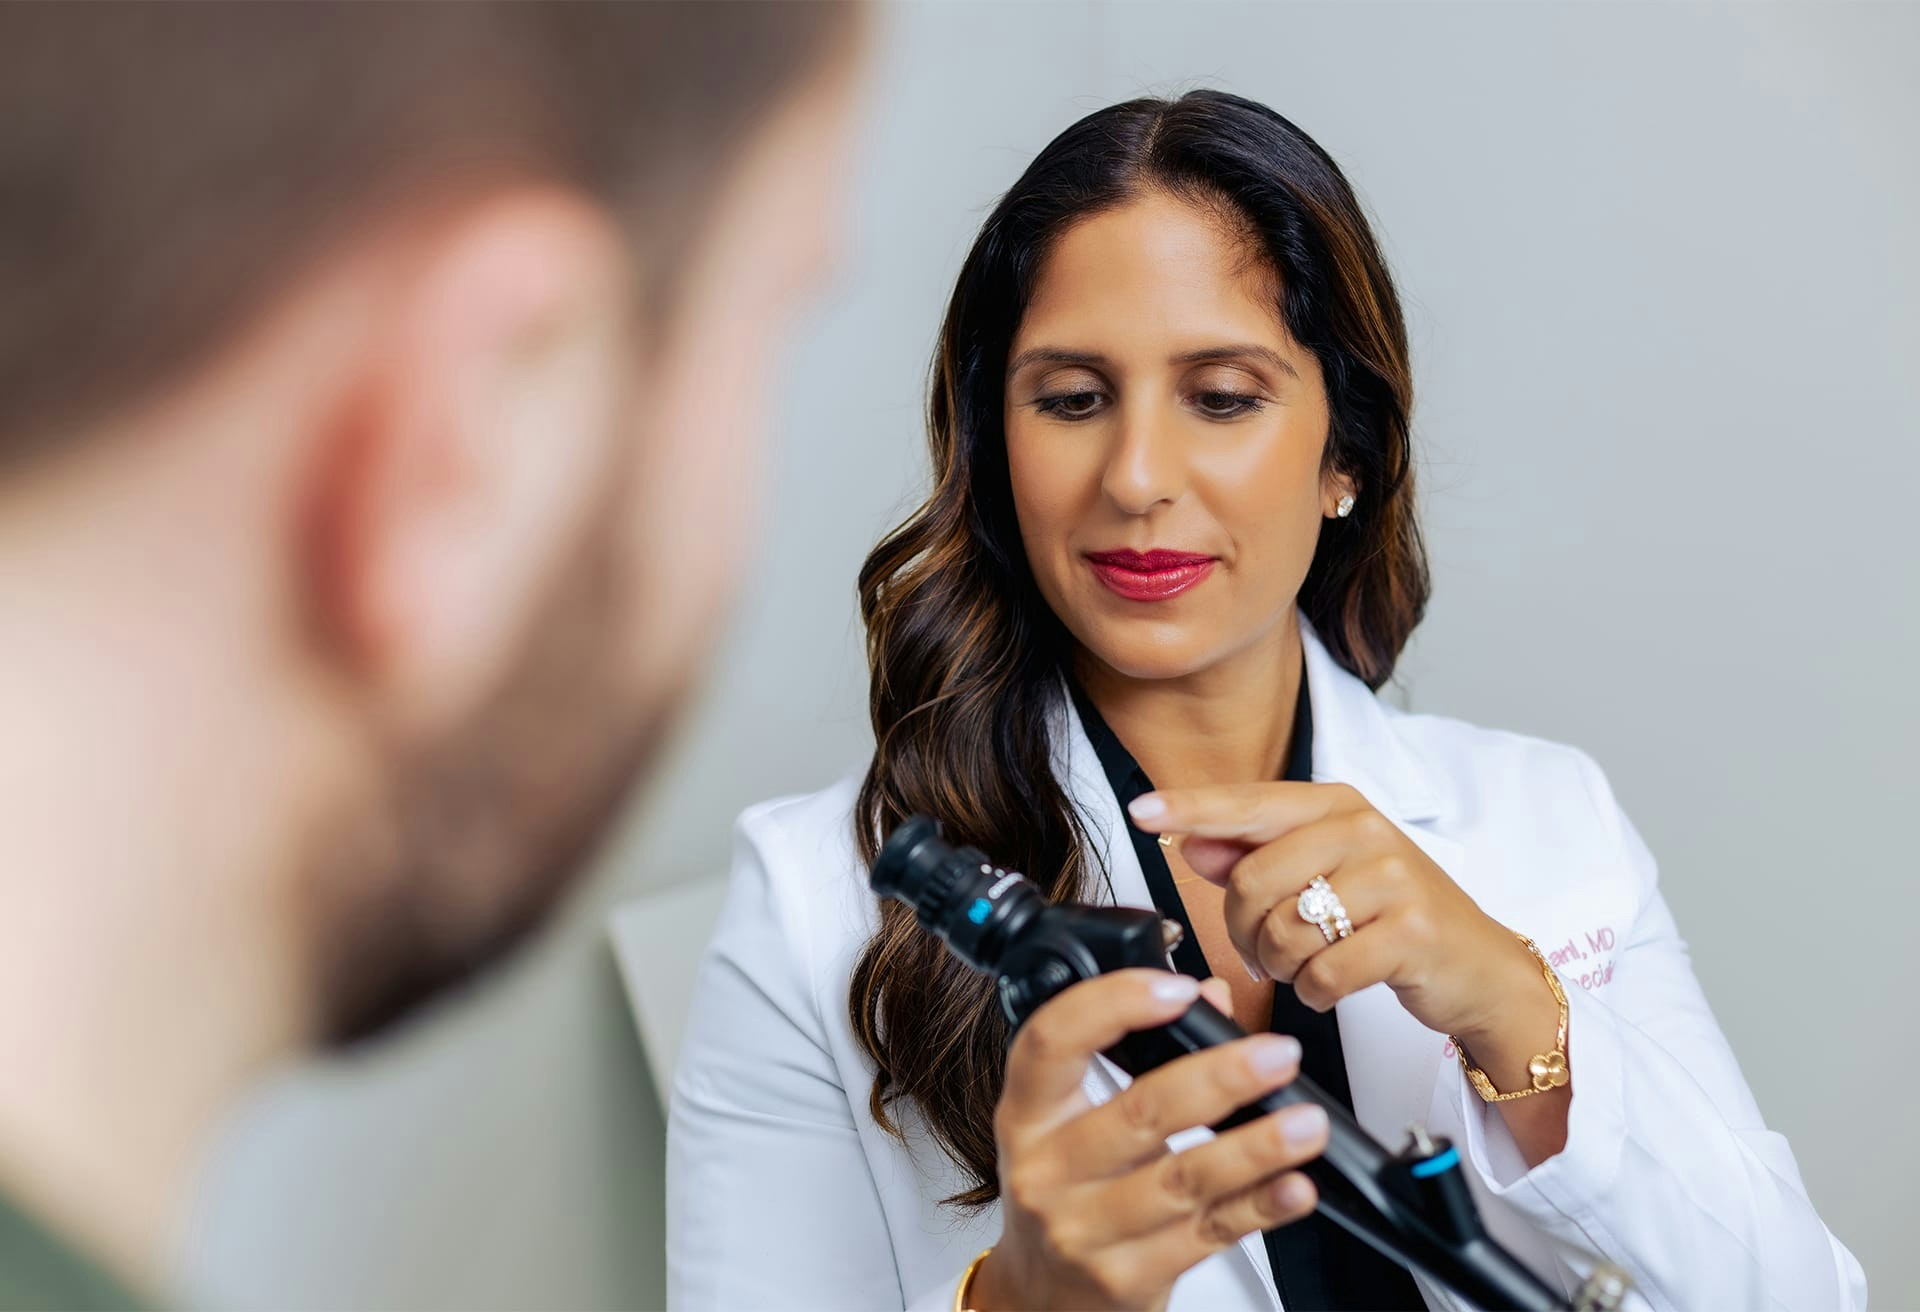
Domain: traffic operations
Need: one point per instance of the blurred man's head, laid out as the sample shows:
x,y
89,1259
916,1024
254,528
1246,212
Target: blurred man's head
x,y
379,388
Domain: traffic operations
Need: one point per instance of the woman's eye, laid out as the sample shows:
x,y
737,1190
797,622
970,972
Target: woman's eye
x,y
1224,405
1069,405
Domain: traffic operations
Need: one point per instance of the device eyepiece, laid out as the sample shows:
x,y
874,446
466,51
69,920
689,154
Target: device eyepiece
x,y
971,904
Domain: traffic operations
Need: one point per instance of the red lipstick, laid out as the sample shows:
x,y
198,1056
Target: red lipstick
x,y
1150,575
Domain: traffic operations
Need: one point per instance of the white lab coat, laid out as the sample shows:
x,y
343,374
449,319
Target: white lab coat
x,y
783,1193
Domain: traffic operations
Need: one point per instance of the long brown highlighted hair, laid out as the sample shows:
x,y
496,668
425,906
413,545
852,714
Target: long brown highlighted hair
x,y
967,658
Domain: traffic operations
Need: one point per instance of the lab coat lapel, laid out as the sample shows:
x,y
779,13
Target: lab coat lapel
x,y
1392,1059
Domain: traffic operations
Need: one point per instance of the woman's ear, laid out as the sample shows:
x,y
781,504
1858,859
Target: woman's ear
x,y
1338,495
461,471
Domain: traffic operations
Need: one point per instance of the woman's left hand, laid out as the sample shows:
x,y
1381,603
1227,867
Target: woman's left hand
x,y
1456,969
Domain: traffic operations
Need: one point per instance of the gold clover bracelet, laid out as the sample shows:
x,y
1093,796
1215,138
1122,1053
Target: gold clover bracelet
x,y
1548,1069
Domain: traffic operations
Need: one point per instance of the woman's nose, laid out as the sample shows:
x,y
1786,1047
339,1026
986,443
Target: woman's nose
x,y
1147,465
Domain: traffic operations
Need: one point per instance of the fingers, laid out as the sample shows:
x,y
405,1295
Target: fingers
x,y
1251,813
1213,859
1261,906
1346,967
1200,1089
1218,1174
1268,1204
1050,1053
1157,1259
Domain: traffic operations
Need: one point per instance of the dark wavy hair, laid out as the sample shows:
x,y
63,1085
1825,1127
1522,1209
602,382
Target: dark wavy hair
x,y
967,659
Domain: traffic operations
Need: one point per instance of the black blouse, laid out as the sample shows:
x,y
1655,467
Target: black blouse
x,y
1316,1264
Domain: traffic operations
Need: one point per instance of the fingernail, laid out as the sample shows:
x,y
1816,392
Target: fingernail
x,y
1301,1126
1169,987
1147,806
1294,1192
1254,971
1274,1053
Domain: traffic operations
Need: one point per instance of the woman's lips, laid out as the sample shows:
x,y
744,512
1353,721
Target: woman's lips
x,y
1149,575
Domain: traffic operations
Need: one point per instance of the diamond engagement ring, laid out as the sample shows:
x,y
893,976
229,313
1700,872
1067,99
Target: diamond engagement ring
x,y
1319,905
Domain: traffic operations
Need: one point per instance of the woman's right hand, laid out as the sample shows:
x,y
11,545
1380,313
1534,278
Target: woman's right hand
x,y
1096,1212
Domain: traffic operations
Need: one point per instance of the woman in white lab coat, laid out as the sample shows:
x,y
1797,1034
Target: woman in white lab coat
x,y
1171,541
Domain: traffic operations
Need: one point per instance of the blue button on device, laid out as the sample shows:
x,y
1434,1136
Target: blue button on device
x,y
1434,1165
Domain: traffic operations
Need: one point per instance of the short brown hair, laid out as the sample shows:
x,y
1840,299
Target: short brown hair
x,y
166,169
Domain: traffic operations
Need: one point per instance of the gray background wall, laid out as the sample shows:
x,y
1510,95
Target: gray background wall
x,y
1661,272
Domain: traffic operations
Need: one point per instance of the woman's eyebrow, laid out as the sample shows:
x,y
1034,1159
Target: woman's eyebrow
x,y
1239,351
1053,355
1236,351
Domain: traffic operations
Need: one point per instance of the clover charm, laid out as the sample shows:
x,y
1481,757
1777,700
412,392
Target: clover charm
x,y
1549,1071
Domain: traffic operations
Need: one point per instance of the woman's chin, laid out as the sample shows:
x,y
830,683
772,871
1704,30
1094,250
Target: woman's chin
x,y
1161,656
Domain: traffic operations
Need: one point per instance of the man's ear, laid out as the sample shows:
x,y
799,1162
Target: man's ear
x,y
477,428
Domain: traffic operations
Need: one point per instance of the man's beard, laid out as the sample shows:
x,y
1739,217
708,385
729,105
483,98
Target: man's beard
x,y
485,830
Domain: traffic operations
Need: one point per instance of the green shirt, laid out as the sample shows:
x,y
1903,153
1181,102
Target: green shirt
x,y
39,1273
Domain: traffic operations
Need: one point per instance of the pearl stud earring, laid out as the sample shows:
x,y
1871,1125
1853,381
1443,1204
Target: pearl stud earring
x,y
1345,506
